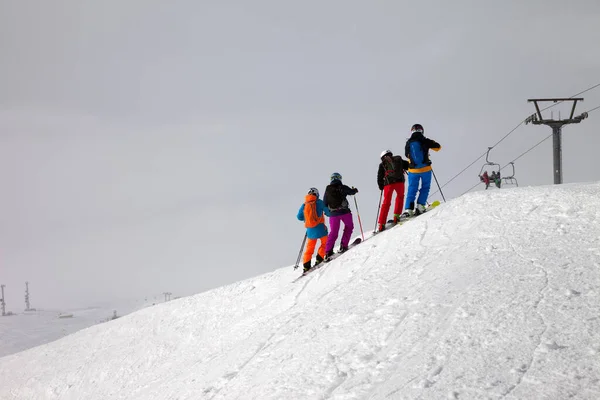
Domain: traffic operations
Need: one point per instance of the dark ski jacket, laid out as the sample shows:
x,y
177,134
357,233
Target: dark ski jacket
x,y
391,170
335,197
417,151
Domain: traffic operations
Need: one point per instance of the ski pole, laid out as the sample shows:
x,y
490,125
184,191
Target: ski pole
x,y
378,208
358,214
300,253
438,185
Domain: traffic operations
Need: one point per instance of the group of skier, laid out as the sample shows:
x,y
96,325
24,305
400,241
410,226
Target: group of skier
x,y
487,179
390,179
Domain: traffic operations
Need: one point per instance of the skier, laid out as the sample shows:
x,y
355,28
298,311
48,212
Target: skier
x,y
417,151
335,199
485,178
312,213
496,178
390,179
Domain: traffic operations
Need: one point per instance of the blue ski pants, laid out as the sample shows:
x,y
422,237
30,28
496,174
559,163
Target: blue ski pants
x,y
413,187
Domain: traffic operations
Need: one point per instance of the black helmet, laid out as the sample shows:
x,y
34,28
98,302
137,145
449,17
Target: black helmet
x,y
335,176
417,128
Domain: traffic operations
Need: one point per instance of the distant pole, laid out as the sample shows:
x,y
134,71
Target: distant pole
x,y
167,295
2,301
27,307
556,126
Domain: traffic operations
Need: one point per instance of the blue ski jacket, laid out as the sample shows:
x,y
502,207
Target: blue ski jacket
x,y
417,151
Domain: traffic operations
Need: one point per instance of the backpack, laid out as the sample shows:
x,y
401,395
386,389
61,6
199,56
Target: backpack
x,y
417,156
393,169
311,219
335,197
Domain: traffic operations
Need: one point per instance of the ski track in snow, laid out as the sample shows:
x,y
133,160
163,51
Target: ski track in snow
x,y
494,295
525,367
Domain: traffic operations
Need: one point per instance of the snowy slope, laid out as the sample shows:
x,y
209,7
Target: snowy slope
x,y
492,295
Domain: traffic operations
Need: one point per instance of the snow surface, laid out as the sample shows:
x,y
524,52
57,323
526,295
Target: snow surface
x,y
27,329
495,294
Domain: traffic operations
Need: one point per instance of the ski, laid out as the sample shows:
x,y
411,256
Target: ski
x,y
429,208
336,255
390,223
329,259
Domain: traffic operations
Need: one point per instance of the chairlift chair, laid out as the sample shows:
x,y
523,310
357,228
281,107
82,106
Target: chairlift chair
x,y
511,180
495,171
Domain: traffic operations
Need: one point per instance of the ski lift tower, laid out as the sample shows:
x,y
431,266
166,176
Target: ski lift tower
x,y
27,304
2,303
556,126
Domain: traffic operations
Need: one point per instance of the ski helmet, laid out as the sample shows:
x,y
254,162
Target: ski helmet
x,y
336,176
385,153
417,128
314,191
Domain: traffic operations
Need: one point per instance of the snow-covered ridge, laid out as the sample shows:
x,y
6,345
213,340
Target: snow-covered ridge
x,y
493,295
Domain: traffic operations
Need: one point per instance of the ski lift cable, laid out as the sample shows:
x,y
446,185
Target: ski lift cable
x,y
480,157
593,109
528,150
575,95
510,133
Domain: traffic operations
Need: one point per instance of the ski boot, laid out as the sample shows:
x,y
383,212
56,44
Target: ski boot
x,y
407,213
306,267
329,254
319,260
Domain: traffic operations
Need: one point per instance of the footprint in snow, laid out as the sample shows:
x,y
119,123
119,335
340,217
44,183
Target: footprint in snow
x,y
554,346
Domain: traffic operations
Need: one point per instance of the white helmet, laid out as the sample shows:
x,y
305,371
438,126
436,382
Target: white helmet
x,y
385,152
314,191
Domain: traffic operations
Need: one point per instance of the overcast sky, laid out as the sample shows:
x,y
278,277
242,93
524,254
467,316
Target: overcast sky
x,y
141,141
